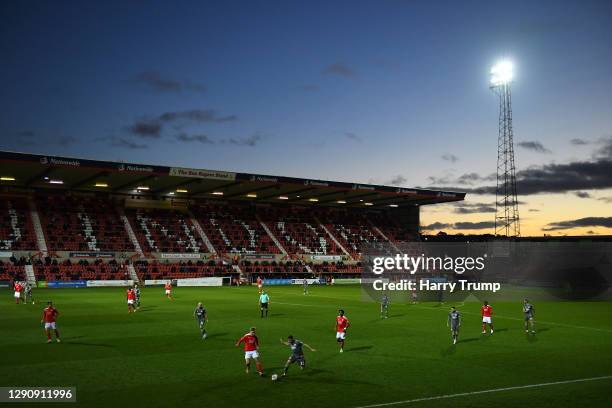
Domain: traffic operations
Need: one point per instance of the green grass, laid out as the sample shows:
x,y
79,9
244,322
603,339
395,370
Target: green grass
x,y
156,357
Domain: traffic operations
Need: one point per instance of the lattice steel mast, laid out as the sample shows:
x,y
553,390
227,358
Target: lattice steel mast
x,y
507,222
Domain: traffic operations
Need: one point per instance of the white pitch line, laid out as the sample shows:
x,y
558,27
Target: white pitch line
x,y
466,394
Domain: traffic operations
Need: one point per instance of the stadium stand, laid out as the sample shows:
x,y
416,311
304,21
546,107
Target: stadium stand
x,y
81,223
64,219
298,231
16,230
234,228
164,231
52,270
157,270
351,229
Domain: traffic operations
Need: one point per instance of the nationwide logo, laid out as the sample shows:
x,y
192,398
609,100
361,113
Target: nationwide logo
x,y
362,187
131,167
316,183
59,162
404,191
139,168
262,178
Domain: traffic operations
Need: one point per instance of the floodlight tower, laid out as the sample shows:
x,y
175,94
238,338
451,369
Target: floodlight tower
x,y
507,221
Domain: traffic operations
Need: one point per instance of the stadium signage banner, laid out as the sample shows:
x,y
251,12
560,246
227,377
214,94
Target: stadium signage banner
x,y
202,173
92,255
109,283
178,255
4,284
67,284
330,258
5,254
155,282
310,281
346,281
200,282
258,257
278,282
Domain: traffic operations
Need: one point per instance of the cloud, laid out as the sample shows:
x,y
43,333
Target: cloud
x,y
117,141
534,146
581,222
605,149
460,225
450,157
152,127
156,82
606,199
474,208
582,194
66,141
25,137
579,142
474,225
146,129
184,137
549,178
352,136
397,180
196,115
534,210
341,69
250,141
436,226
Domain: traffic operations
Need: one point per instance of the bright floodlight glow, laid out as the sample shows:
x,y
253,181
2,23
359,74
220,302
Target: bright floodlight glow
x,y
501,73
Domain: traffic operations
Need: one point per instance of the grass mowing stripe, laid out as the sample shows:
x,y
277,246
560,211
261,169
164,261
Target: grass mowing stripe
x,y
571,326
466,394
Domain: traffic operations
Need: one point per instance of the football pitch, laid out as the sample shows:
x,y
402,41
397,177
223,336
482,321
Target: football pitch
x,y
156,357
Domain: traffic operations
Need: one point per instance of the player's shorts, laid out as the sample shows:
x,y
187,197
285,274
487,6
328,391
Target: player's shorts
x,y
17,294
50,326
528,317
454,327
297,359
251,354
167,292
486,319
340,335
130,301
259,286
264,305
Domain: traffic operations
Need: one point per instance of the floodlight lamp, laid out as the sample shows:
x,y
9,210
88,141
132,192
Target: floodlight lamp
x,y
501,73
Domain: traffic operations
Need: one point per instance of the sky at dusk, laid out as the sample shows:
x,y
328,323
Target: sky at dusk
x,y
385,92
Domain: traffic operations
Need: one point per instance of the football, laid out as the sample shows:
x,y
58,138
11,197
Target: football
x,y
274,377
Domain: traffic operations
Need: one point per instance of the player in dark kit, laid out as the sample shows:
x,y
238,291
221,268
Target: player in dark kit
x,y
384,306
529,312
297,353
454,321
137,294
201,317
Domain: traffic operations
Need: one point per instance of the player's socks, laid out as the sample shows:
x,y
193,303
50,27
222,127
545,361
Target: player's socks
x,y
259,368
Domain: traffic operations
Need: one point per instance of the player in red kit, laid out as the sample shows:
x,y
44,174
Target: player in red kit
x,y
486,310
342,324
48,318
131,298
168,288
260,284
18,288
251,350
